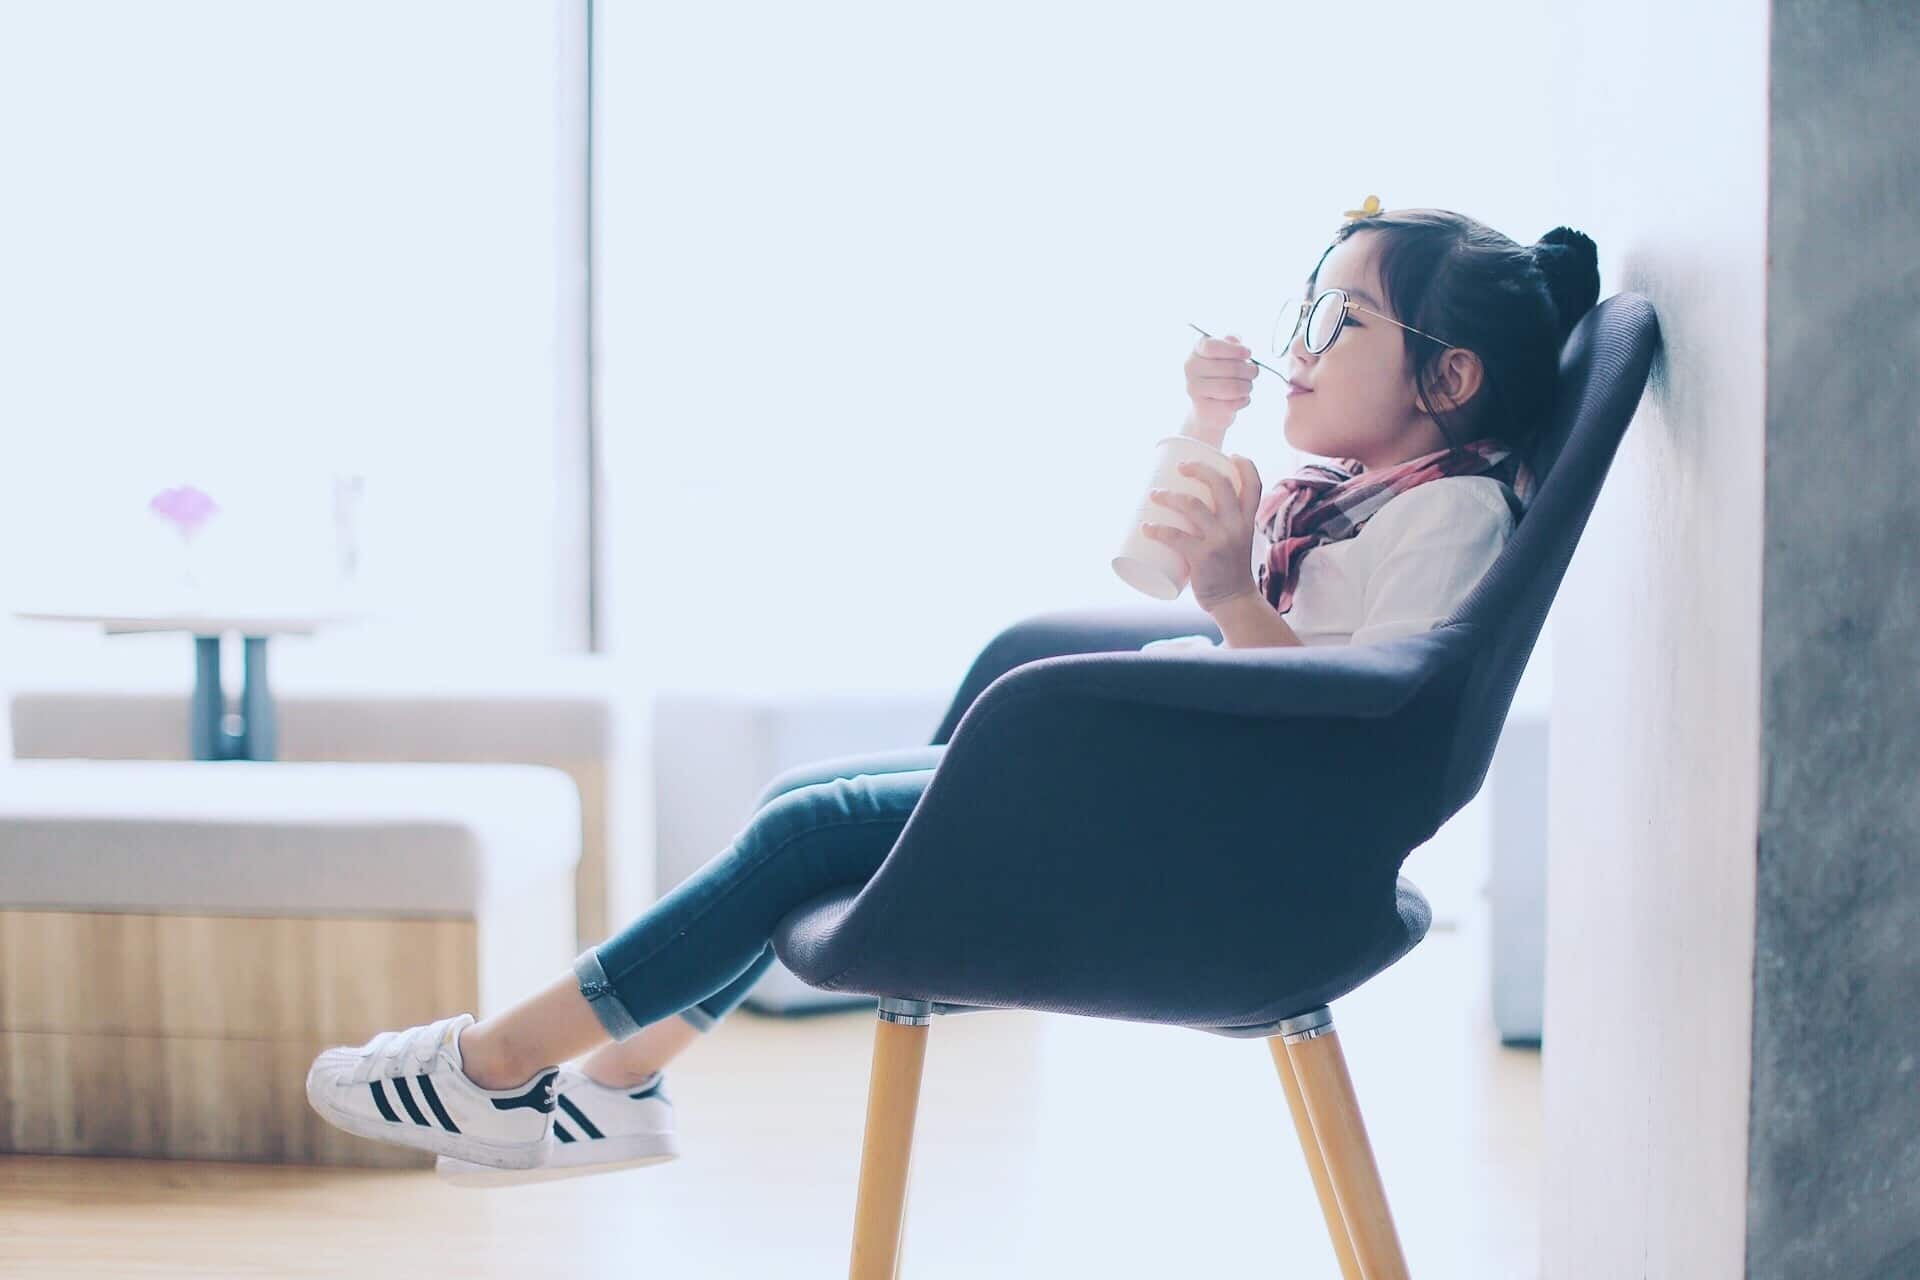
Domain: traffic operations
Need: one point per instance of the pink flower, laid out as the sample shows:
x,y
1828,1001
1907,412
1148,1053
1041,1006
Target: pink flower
x,y
186,508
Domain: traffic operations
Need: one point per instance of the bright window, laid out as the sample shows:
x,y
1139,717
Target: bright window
x,y
895,296
255,247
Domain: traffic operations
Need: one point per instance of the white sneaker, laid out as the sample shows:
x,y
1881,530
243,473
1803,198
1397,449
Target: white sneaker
x,y
596,1129
408,1087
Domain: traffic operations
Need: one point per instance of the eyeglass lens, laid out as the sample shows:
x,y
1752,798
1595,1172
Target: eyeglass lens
x,y
1323,323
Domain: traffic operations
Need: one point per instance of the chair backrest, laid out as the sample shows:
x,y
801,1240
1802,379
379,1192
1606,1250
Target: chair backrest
x,y
1604,367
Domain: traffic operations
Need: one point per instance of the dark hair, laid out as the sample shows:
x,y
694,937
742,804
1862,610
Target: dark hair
x,y
1511,305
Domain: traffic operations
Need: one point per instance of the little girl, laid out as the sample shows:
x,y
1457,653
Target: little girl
x,y
1423,358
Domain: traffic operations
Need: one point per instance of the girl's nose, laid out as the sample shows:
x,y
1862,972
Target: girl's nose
x,y
1298,360
1297,347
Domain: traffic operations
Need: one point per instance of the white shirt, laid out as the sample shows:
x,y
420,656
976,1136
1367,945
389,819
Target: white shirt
x,y
1408,568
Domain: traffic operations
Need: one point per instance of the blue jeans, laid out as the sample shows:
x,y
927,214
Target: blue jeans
x,y
699,950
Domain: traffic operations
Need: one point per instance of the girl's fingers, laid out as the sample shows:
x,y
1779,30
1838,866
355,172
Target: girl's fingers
x,y
1222,349
1214,482
1191,509
1206,366
1163,532
1226,379
1178,501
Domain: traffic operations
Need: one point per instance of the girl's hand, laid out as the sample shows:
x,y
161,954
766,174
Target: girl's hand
x,y
1219,553
1220,375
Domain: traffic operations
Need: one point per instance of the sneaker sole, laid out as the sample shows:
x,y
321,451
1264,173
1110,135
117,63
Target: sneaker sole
x,y
456,1145
632,1153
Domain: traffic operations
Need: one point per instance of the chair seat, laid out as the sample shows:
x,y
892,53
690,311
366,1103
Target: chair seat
x,y
813,943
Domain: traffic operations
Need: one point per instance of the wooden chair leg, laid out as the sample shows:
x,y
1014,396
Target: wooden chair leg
x,y
1316,1165
893,1099
906,1210
1320,1069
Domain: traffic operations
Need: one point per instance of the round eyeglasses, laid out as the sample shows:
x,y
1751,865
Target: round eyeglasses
x,y
1324,318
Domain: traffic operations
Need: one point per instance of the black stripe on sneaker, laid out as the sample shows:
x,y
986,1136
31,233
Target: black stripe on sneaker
x,y
579,1117
432,1096
540,1097
380,1101
406,1100
650,1091
560,1132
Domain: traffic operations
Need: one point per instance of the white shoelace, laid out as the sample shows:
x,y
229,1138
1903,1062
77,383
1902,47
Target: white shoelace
x,y
400,1053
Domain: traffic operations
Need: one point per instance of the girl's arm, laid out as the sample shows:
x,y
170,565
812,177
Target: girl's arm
x,y
1247,621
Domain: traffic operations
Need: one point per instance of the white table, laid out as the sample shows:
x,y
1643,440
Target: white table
x,y
211,739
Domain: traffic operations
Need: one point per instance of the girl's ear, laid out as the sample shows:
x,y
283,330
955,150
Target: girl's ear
x,y
1456,378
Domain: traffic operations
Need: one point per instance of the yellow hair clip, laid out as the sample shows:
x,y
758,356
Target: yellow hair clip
x,y
1366,210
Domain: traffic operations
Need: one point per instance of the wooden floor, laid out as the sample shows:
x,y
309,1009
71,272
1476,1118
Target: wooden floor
x,y
1047,1146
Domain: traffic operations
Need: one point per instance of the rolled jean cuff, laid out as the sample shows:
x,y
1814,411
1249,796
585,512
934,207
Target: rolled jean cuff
x,y
699,1018
602,998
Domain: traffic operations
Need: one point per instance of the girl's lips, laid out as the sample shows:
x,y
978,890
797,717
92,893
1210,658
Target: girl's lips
x,y
1293,391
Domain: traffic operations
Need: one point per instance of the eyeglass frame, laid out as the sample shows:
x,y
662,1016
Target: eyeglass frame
x,y
1346,304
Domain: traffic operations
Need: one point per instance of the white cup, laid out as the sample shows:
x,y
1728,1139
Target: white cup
x,y
1144,563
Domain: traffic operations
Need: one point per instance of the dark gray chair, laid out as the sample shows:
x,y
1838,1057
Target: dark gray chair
x,y
1206,839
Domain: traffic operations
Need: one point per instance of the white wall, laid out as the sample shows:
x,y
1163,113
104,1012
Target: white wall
x,y
1654,760
250,246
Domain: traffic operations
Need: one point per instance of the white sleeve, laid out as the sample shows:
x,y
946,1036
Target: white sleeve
x,y
1438,545
1180,642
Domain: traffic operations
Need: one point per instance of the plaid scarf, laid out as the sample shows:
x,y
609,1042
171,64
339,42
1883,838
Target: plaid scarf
x,y
1320,503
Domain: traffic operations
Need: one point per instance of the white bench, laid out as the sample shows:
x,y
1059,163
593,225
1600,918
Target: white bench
x,y
562,713
178,939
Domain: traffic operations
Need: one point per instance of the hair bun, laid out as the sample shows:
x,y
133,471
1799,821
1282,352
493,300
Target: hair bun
x,y
1570,262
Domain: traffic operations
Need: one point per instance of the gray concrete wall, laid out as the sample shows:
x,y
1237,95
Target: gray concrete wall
x,y
1834,1164
1655,742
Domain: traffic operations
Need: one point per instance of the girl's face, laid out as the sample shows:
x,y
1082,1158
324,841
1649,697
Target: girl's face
x,y
1362,403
